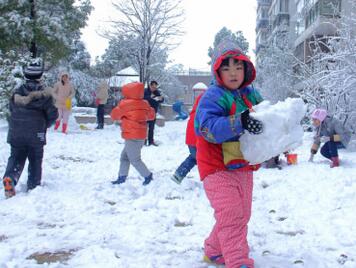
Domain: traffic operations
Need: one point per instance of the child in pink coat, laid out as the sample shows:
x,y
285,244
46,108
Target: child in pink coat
x,y
63,92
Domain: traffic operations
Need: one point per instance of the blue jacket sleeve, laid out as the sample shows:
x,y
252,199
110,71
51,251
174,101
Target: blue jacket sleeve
x,y
213,121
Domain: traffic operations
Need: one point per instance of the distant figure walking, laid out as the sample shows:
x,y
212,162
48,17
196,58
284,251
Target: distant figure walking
x,y
154,98
100,101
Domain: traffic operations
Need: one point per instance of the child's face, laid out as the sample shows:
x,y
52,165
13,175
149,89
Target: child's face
x,y
232,75
316,122
65,78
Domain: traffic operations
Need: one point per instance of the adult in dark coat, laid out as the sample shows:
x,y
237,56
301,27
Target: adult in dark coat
x,y
154,98
31,112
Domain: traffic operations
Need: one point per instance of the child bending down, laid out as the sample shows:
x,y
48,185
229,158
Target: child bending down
x,y
222,116
332,133
133,112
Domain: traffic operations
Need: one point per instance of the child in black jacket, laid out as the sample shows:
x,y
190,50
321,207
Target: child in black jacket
x,y
31,112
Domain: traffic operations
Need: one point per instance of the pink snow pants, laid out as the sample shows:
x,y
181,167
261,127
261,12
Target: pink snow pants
x,y
230,195
63,114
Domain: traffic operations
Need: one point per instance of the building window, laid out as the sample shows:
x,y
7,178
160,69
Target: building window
x,y
330,7
300,6
312,15
283,6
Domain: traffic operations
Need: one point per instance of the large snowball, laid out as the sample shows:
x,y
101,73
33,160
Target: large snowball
x,y
282,130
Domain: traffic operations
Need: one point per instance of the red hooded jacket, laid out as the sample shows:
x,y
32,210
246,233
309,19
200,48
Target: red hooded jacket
x,y
134,112
190,136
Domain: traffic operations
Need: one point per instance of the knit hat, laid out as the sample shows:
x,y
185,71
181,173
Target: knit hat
x,y
33,70
319,114
227,49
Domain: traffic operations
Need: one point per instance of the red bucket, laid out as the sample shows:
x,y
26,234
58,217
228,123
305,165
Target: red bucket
x,y
292,159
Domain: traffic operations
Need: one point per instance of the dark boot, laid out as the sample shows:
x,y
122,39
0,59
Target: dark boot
x,y
335,162
147,180
152,143
120,179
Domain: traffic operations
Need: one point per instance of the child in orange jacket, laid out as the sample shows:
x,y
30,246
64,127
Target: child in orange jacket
x,y
133,112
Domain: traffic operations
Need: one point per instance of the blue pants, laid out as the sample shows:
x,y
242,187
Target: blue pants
x,y
188,163
329,149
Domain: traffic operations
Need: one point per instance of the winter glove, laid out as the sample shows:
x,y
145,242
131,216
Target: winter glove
x,y
311,158
252,125
324,139
97,102
36,94
157,98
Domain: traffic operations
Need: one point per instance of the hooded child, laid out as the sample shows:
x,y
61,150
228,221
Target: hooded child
x,y
332,133
63,92
133,112
222,116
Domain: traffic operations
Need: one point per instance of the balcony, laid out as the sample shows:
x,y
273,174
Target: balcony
x,y
323,7
330,7
279,19
264,2
261,23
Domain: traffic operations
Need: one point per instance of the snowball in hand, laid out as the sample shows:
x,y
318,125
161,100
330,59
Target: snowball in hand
x,y
282,130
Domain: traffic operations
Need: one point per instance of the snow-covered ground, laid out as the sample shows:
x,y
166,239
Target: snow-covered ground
x,y
303,215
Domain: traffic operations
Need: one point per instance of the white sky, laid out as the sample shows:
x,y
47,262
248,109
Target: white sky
x,y
203,20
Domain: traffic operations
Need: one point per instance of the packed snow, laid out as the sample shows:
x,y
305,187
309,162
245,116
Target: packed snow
x,y
282,131
303,215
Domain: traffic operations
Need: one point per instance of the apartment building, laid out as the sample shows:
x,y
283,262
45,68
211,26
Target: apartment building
x,y
316,19
305,20
262,24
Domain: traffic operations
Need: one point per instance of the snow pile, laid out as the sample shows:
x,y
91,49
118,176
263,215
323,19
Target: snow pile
x,y
282,130
77,218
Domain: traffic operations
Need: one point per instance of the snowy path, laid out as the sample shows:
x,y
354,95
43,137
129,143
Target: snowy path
x,y
303,215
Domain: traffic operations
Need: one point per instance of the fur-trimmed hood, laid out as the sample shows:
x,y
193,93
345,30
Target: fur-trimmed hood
x,y
31,91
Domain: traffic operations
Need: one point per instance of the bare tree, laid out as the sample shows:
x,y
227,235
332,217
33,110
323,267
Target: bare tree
x,y
275,76
154,24
330,77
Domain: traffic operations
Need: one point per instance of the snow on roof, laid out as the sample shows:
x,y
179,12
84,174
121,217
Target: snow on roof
x,y
123,77
129,71
200,85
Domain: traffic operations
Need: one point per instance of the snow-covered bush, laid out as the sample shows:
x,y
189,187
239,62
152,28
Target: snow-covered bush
x,y
10,77
330,78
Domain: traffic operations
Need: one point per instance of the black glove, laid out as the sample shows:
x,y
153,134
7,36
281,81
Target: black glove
x,y
252,125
